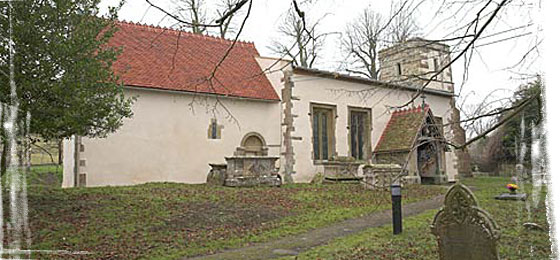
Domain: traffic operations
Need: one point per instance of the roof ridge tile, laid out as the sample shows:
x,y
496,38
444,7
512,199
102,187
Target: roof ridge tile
x,y
149,60
175,31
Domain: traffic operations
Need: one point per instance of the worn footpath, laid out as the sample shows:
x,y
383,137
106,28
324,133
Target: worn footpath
x,y
296,244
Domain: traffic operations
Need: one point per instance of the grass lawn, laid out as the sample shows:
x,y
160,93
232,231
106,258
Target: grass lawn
x,y
417,242
167,220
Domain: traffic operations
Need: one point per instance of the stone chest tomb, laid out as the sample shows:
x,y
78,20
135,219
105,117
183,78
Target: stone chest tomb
x,y
381,176
251,165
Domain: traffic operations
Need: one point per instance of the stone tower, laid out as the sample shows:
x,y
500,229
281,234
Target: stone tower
x,y
414,62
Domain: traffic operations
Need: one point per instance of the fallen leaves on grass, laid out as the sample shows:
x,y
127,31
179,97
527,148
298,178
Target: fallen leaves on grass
x,y
170,220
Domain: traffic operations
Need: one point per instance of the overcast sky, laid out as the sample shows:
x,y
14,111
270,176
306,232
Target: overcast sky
x,y
502,45
487,71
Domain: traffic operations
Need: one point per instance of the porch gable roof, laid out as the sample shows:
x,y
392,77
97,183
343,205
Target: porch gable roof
x,y
401,130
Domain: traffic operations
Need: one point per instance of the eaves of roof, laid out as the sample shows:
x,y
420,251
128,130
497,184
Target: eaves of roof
x,y
362,80
198,93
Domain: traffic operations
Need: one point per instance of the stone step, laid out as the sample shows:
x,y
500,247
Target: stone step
x,y
342,179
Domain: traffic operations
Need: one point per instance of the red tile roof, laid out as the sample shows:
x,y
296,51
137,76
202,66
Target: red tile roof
x,y
401,130
163,58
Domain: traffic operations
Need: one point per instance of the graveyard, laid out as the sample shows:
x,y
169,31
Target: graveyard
x,y
417,241
241,129
175,221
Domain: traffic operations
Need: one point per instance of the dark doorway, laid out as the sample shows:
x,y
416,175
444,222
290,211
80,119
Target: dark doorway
x,y
428,162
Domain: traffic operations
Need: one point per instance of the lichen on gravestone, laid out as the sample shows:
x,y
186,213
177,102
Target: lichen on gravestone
x,y
463,230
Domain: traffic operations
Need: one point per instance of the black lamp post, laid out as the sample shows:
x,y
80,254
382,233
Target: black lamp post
x,y
396,201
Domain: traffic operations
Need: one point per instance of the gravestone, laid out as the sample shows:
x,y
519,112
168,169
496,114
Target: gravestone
x,y
217,174
463,230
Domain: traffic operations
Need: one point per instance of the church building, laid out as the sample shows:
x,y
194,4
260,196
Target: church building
x,y
190,115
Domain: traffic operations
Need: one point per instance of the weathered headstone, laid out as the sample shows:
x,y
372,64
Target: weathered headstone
x,y
463,230
217,174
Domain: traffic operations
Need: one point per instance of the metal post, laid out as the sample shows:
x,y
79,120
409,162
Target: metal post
x,y
396,201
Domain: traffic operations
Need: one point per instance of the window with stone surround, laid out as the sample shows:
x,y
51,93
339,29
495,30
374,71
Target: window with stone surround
x,y
322,120
214,129
359,132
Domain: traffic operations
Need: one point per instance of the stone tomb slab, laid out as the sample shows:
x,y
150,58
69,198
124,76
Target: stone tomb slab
x,y
512,196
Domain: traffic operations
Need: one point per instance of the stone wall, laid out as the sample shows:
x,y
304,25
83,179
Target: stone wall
x,y
400,158
391,158
459,137
418,59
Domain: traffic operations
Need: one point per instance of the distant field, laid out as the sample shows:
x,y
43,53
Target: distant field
x,y
44,153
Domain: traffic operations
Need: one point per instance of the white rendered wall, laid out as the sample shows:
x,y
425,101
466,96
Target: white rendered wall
x,y
273,69
313,89
167,141
68,162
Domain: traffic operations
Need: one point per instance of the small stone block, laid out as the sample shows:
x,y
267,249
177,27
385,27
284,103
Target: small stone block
x,y
533,226
252,181
284,252
511,196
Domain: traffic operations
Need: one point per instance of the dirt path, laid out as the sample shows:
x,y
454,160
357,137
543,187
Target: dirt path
x,y
293,245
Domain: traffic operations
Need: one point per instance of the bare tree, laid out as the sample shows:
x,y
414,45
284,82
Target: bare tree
x,y
194,12
490,105
370,32
360,43
402,25
228,24
308,42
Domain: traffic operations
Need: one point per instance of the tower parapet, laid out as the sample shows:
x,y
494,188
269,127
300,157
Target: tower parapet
x,y
414,62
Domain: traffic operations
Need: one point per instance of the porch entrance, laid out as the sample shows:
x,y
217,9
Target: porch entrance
x,y
429,162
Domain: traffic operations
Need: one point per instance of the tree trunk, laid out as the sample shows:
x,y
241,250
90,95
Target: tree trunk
x,y
60,152
3,142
